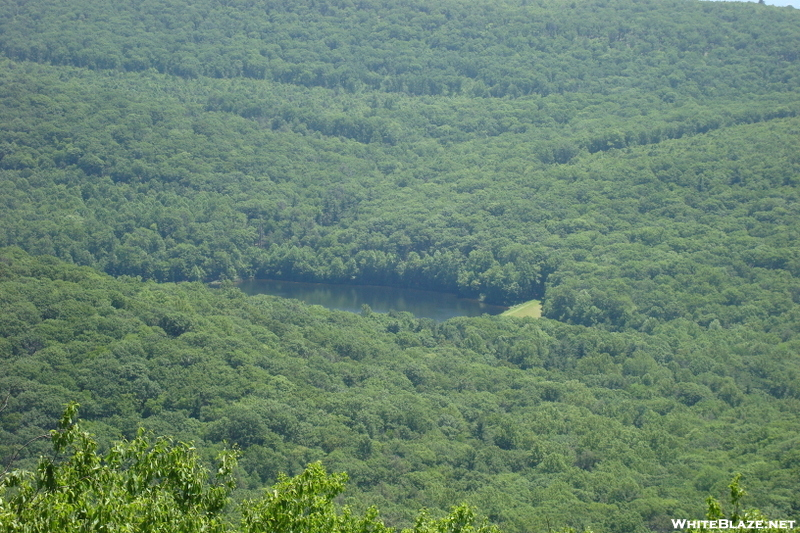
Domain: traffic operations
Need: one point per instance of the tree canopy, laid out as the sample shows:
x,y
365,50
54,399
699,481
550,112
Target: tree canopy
x,y
632,164
146,485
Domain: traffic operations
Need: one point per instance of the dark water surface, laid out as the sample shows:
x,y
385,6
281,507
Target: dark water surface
x,y
436,305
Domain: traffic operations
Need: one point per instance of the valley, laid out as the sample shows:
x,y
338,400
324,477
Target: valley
x,y
615,184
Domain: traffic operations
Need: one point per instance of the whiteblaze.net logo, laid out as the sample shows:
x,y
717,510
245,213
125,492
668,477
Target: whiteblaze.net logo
x,y
732,524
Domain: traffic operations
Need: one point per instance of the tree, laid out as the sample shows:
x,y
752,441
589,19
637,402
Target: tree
x,y
746,521
304,504
155,485
141,485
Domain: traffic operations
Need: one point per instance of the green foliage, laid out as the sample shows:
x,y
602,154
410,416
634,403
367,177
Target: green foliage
x,y
461,520
138,485
305,504
377,171
749,521
439,48
532,420
631,164
147,485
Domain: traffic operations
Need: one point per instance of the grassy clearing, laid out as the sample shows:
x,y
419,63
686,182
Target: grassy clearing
x,y
531,308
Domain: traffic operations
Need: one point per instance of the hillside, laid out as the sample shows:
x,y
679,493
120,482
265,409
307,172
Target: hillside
x,y
234,176
529,419
632,164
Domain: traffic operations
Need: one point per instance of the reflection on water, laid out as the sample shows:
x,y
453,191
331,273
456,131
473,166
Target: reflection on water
x,y
436,305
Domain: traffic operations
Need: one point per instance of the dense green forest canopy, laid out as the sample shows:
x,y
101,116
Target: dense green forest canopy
x,y
145,485
531,420
267,175
633,164
439,47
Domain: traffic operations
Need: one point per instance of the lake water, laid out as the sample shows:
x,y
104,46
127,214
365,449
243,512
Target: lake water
x,y
436,305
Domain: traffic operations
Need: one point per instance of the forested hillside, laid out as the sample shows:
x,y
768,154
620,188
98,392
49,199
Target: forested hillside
x,y
530,420
182,178
633,164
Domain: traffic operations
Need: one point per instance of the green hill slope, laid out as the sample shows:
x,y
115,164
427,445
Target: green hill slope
x,y
440,47
135,175
530,420
631,164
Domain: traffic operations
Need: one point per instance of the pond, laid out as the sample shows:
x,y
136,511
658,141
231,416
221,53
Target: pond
x,y
428,304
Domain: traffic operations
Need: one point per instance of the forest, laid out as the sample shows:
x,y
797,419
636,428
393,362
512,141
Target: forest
x,y
633,164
